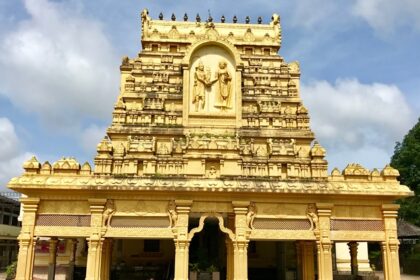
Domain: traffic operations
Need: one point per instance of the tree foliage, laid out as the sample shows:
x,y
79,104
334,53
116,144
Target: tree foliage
x,y
406,159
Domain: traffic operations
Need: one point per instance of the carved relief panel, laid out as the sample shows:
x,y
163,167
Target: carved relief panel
x,y
212,82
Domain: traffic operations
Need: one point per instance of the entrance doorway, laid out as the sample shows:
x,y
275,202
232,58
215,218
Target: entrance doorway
x,y
208,247
272,260
142,259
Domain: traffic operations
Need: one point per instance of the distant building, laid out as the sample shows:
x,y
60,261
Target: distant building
x,y
9,230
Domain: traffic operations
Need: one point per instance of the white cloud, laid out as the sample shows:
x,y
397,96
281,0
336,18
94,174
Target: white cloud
x,y
8,139
385,15
58,65
309,13
357,122
11,154
90,138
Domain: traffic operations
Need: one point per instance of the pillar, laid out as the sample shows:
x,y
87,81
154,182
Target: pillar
x,y
323,242
106,259
52,259
299,267
229,247
181,240
240,244
93,265
26,239
281,260
354,265
229,259
390,246
95,240
72,243
307,260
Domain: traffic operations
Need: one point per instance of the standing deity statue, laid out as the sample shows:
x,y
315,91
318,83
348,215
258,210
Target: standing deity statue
x,y
224,87
201,83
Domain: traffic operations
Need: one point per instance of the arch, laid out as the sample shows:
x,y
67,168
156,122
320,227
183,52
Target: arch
x,y
220,43
201,226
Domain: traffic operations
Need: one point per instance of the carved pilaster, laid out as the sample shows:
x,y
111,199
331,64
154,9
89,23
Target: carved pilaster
x,y
72,243
182,243
307,257
391,244
229,248
240,244
106,259
97,207
26,239
324,244
93,266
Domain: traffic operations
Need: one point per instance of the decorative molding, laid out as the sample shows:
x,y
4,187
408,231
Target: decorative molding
x,y
389,188
200,227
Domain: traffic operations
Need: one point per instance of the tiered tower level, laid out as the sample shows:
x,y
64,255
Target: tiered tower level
x,y
210,100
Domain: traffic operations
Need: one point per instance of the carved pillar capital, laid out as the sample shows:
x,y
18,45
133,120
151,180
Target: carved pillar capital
x,y
324,244
391,244
26,238
93,265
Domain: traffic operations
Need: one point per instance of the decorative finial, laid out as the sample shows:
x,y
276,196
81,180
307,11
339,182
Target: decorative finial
x,y
223,19
173,17
210,19
235,19
185,17
259,20
197,18
161,16
247,19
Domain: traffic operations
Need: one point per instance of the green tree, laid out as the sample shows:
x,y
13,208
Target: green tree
x,y
406,159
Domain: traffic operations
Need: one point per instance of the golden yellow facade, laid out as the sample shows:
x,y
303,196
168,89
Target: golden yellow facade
x,y
208,125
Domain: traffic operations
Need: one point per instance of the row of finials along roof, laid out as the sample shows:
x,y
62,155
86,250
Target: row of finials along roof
x,y
210,18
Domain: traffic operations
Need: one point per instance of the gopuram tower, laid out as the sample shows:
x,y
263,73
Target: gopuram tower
x,y
209,150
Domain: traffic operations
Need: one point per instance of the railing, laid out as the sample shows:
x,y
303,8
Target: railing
x,y
11,195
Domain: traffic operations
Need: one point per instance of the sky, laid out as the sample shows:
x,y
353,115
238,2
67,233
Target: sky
x,y
59,71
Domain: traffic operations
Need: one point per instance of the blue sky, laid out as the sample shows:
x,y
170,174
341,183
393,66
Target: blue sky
x,y
59,71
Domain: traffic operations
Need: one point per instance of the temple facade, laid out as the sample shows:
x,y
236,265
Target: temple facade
x,y
209,165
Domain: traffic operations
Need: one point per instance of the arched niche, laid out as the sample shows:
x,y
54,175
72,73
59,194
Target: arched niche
x,y
212,85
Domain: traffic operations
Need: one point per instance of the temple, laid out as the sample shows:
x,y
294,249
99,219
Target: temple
x,y
209,166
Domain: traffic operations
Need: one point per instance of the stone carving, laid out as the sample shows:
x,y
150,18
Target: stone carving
x,y
141,144
212,142
154,103
222,227
269,106
201,84
173,215
125,61
108,213
224,87
313,217
281,147
250,216
247,147
355,169
164,149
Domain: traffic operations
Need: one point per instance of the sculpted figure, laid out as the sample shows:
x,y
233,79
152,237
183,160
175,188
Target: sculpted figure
x,y
224,87
173,215
201,83
313,217
108,212
250,216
